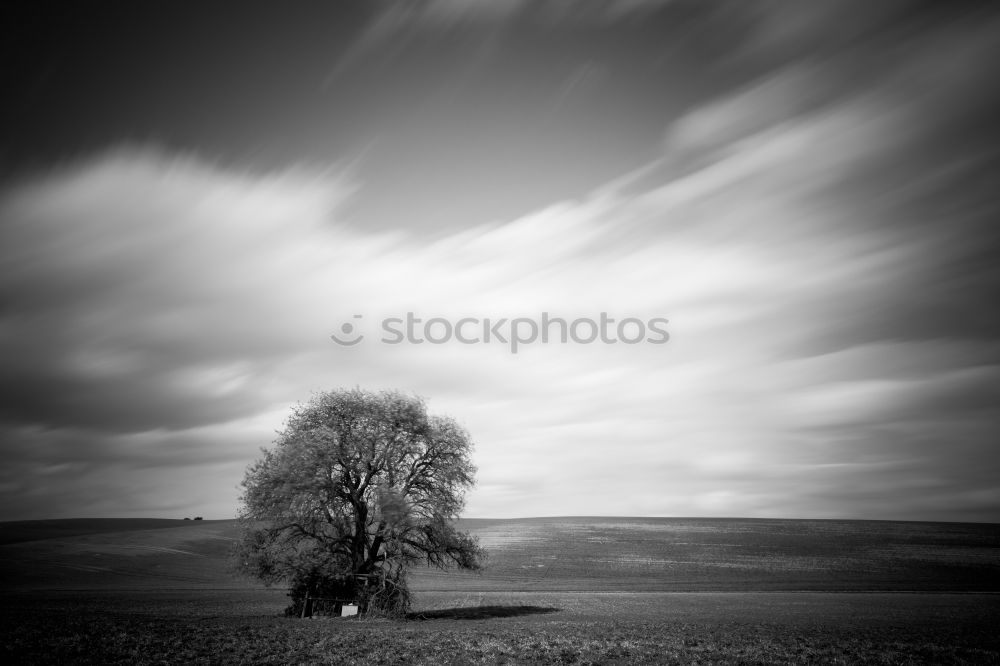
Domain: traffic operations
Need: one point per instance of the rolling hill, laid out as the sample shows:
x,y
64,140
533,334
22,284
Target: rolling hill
x,y
34,530
546,554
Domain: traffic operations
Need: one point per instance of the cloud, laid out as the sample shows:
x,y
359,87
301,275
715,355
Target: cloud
x,y
142,281
397,28
832,350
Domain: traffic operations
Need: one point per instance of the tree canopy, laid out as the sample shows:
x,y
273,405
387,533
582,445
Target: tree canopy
x,y
359,487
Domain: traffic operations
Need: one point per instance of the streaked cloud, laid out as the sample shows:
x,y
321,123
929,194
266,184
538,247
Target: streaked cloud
x,y
828,285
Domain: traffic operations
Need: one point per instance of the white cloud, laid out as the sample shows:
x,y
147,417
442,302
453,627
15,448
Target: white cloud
x,y
164,314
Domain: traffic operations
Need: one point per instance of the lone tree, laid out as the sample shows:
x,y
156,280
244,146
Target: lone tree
x,y
359,487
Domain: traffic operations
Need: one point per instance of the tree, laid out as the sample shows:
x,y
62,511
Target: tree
x,y
358,488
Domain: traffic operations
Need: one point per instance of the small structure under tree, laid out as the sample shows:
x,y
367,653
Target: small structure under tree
x,y
359,487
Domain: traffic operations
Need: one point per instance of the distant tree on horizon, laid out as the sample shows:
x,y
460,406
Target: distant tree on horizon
x,y
359,487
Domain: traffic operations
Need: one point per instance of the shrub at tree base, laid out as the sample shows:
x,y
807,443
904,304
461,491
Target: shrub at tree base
x,y
326,594
359,487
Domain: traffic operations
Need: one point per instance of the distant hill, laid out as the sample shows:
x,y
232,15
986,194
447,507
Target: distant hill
x,y
546,554
140,553
33,530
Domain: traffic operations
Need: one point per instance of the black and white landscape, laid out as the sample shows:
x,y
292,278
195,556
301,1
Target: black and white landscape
x,y
710,285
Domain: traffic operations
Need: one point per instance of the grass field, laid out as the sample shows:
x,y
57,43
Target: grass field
x,y
669,554
572,590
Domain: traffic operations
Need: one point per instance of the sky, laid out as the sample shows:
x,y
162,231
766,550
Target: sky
x,y
760,236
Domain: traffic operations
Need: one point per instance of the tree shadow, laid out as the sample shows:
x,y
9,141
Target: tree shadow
x,y
480,612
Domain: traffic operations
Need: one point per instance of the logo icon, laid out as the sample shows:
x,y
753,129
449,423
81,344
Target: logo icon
x,y
348,329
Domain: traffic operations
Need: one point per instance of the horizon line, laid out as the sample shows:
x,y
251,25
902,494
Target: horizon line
x,y
552,517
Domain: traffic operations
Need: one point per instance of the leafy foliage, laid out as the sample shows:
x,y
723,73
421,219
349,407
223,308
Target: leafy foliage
x,y
359,487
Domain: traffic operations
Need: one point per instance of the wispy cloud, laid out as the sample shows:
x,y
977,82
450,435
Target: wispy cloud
x,y
833,349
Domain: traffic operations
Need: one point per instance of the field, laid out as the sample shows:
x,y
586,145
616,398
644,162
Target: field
x,y
570,590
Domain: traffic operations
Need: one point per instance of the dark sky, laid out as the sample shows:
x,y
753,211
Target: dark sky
x,y
195,195
521,102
